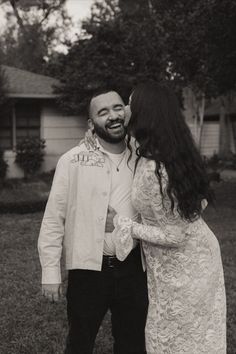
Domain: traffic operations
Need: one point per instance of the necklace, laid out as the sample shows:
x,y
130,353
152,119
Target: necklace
x,y
117,165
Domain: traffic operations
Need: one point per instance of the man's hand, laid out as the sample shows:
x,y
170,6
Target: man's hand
x,y
109,221
52,292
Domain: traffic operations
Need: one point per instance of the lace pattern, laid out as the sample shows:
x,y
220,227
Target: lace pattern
x,y
187,308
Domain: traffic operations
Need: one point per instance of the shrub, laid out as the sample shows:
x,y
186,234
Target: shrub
x,y
3,166
230,161
214,166
218,163
29,155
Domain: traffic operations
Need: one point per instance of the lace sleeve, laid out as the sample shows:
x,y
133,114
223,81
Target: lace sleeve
x,y
122,236
170,229
165,235
169,235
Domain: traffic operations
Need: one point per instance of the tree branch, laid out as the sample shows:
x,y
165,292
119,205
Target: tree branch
x,y
18,18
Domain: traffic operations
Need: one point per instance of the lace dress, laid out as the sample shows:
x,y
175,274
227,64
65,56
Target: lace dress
x,y
187,309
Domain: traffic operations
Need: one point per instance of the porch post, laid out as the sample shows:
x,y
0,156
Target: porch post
x,y
13,126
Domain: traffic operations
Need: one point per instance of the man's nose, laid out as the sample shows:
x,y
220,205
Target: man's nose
x,y
113,114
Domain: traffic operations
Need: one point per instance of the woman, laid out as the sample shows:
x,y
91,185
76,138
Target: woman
x,y
187,311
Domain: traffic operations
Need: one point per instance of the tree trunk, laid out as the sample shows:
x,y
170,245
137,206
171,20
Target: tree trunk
x,y
201,112
18,18
224,138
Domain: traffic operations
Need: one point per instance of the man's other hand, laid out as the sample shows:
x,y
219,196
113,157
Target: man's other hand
x,y
52,292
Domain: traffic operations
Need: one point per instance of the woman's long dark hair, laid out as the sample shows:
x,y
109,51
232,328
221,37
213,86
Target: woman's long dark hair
x,y
163,135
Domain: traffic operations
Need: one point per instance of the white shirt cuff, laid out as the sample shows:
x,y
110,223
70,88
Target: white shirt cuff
x,y
51,275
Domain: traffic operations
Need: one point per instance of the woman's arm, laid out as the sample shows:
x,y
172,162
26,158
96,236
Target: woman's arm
x,y
170,230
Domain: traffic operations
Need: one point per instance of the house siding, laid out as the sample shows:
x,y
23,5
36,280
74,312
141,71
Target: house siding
x,y
209,139
60,132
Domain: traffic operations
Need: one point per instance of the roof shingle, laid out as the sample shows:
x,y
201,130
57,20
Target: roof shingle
x,y
22,83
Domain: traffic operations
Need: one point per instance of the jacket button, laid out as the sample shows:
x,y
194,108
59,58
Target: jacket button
x,y
104,194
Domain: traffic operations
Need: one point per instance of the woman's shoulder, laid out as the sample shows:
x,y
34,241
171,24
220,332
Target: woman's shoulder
x,y
150,166
147,164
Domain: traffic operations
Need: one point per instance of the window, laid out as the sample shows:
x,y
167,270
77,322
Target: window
x,y
5,130
27,117
21,122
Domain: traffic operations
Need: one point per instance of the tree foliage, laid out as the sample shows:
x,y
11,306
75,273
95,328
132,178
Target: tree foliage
x,y
116,51
191,43
34,29
200,41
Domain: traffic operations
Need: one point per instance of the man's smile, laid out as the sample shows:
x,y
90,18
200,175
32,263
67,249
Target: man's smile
x,y
115,126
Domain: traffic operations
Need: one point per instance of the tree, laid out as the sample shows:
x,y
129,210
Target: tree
x,y
117,50
201,47
34,30
190,43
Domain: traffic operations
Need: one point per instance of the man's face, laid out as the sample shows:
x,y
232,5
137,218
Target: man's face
x,y
107,117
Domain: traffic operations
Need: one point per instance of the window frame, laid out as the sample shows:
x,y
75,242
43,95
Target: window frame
x,y
13,123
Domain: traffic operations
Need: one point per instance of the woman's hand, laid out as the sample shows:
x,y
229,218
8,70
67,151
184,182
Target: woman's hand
x,y
109,221
89,140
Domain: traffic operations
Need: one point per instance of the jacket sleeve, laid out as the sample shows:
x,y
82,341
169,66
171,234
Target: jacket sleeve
x,y
53,226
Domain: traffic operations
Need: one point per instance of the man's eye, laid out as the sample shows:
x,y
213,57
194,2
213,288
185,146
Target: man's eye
x,y
103,113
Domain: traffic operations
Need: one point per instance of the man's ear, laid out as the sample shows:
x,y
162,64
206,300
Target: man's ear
x,y
90,124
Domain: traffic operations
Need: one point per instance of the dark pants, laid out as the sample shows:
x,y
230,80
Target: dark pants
x,y
120,287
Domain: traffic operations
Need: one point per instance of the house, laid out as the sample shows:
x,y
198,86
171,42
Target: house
x,y
218,131
35,113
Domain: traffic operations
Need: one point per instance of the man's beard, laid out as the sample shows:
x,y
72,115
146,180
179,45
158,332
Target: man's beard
x,y
106,136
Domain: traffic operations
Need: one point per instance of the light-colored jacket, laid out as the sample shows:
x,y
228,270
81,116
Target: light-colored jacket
x,y
75,215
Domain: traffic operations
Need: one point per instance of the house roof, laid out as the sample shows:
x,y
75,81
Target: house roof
x,y
25,84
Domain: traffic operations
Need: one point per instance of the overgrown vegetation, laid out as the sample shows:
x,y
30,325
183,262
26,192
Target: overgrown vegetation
x,y
29,155
3,166
216,164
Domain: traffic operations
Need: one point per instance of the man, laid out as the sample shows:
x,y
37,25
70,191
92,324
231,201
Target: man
x,y
88,184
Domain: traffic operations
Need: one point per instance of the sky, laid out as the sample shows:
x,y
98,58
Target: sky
x,y
79,9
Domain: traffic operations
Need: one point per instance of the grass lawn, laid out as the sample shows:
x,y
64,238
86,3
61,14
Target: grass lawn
x,y
19,196
31,325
